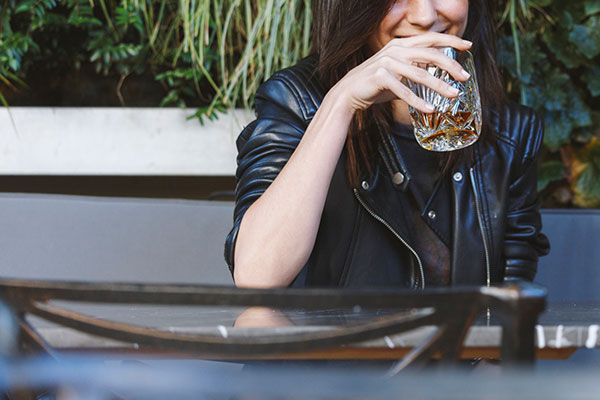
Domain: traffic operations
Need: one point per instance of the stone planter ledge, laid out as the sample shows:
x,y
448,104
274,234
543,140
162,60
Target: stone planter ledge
x,y
117,141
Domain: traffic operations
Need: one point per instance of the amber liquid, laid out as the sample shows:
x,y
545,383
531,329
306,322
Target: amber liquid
x,y
450,131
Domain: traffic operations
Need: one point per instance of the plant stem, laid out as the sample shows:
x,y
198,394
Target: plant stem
x,y
515,35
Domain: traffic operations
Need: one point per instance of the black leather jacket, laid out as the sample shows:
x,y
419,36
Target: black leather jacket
x,y
492,218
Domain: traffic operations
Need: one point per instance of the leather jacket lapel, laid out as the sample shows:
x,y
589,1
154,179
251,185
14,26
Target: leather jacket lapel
x,y
468,252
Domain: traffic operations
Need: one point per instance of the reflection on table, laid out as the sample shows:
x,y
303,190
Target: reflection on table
x,y
561,330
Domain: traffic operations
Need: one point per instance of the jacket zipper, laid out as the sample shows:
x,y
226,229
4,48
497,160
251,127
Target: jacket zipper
x,y
485,246
481,228
388,226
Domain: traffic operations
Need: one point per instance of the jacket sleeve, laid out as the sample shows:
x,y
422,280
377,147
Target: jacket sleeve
x,y
265,146
523,240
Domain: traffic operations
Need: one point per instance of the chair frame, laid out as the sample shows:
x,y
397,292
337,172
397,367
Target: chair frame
x,y
451,310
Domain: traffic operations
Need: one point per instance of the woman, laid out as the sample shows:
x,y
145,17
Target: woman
x,y
334,191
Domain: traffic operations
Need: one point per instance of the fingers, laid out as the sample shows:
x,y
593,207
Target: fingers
x,y
401,69
420,75
424,49
390,82
404,58
436,57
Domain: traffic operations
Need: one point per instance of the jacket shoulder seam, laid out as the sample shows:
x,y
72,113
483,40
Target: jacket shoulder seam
x,y
293,88
501,136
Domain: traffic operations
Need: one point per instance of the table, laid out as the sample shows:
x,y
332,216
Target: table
x,y
563,328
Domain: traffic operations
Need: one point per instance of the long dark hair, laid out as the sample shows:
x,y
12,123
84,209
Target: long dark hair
x,y
341,29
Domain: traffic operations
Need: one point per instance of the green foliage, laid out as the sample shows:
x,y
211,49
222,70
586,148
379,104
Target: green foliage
x,y
559,77
549,78
550,171
216,50
585,175
13,47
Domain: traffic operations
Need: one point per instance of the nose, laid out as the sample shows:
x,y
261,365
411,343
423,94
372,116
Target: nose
x,y
422,13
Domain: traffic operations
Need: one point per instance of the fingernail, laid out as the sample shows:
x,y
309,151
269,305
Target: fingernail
x,y
465,74
454,90
430,107
467,43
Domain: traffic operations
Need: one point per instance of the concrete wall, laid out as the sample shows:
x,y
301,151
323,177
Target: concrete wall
x,y
117,141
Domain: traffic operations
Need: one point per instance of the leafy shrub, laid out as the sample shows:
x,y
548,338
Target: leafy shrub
x,y
551,53
216,50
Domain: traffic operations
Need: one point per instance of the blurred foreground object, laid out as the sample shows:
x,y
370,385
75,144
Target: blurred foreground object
x,y
89,378
447,313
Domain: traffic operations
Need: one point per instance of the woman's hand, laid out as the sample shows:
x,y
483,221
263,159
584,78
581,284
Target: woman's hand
x,y
382,77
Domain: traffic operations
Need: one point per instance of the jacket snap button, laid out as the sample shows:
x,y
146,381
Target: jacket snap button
x,y
431,214
457,177
365,185
398,178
